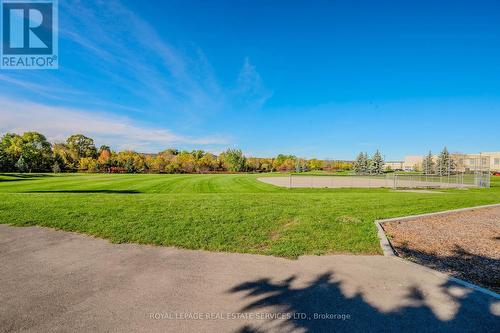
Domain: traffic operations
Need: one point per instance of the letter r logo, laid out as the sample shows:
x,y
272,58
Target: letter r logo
x,y
27,28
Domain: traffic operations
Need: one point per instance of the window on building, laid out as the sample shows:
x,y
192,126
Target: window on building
x,y
496,161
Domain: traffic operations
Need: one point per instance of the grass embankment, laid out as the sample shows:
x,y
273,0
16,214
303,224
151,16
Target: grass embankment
x,y
233,213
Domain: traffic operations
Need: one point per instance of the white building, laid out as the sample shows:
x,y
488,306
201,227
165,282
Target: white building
x,y
394,165
472,161
413,163
464,162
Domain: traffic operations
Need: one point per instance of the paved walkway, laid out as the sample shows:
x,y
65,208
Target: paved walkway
x,y
59,281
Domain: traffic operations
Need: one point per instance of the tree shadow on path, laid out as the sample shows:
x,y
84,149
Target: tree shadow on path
x,y
323,295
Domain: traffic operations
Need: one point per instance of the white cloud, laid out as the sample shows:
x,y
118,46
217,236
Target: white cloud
x,y
250,91
126,67
57,123
131,53
166,78
53,92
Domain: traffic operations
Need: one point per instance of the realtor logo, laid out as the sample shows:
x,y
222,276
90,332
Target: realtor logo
x,y
29,34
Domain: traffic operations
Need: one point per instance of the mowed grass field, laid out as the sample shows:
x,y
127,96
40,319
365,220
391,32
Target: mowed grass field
x,y
235,213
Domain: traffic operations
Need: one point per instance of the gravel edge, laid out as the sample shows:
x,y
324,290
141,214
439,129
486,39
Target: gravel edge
x,y
388,250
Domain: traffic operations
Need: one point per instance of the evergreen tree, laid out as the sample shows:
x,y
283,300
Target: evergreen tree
x,y
21,164
357,163
361,165
428,164
445,164
366,163
377,163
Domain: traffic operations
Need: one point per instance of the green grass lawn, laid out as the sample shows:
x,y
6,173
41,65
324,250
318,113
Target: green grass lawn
x,y
233,213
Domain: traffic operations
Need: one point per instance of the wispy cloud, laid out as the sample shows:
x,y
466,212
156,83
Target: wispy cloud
x,y
165,78
124,66
119,132
250,91
37,88
130,53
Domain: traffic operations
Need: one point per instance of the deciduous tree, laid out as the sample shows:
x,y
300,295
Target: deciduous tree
x,y
315,164
88,164
80,146
12,149
104,160
234,160
186,161
36,152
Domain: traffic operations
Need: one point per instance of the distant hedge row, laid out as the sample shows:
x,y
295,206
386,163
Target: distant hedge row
x,y
31,152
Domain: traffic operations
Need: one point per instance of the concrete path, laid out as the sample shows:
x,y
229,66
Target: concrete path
x,y
57,281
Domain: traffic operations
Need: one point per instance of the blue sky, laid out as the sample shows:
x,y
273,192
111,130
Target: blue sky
x,y
322,79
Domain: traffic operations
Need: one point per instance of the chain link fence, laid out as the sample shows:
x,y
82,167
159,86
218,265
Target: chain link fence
x,y
390,180
466,171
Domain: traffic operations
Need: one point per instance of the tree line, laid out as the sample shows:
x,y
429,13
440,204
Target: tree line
x,y
364,164
32,152
443,166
